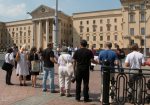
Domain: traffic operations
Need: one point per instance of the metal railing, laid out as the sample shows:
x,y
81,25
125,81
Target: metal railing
x,y
127,86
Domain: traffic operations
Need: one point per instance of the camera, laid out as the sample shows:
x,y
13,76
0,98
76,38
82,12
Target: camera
x,y
106,62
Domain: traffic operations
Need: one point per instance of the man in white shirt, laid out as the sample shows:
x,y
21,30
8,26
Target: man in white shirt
x,y
135,60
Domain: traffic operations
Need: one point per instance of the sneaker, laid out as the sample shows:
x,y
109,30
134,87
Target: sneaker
x,y
87,100
44,90
78,100
62,94
54,91
68,95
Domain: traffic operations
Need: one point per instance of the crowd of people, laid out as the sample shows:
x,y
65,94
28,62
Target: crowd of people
x,y
71,67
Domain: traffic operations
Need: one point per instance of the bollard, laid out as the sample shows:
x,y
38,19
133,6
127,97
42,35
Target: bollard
x,y
106,82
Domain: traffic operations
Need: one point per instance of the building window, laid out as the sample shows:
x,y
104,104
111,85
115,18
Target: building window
x,y
101,21
142,17
108,38
131,7
115,28
80,22
81,29
20,28
94,38
101,29
101,38
93,21
115,20
108,27
87,22
24,28
142,31
16,29
132,18
142,42
87,29
87,38
131,31
142,6
132,42
28,40
80,38
101,45
94,28
94,45
116,38
24,40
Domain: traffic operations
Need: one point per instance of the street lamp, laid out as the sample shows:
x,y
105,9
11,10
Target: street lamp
x,y
55,28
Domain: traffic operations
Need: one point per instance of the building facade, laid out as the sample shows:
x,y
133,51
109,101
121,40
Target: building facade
x,y
123,26
38,31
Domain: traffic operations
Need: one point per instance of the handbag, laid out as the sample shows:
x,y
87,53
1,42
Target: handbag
x,y
35,65
7,66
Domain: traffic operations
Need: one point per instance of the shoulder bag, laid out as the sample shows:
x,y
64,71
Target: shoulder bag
x,y
35,65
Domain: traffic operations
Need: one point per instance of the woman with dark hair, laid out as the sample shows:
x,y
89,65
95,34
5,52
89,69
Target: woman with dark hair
x,y
35,65
9,58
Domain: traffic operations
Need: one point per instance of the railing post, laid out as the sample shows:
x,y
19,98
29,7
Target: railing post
x,y
106,81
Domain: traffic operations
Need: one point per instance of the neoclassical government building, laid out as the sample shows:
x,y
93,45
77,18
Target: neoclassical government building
x,y
124,26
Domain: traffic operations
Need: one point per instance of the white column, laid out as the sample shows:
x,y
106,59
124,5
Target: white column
x,y
33,34
59,32
40,35
47,32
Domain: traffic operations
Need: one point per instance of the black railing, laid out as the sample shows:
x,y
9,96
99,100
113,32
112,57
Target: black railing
x,y
128,86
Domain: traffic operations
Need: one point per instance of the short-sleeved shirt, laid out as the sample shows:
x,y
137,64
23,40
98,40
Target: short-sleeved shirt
x,y
9,57
83,57
135,59
109,55
64,58
47,53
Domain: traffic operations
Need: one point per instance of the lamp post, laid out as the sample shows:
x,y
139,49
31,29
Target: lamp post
x,y
55,27
145,32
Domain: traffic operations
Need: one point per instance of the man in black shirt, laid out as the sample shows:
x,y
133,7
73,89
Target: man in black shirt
x,y
82,60
49,60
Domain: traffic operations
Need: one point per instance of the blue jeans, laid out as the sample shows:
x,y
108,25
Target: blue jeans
x,y
49,72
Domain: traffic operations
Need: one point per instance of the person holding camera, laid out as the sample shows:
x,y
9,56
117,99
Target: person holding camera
x,y
110,58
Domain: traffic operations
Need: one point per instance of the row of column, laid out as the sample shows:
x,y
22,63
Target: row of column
x,y
37,33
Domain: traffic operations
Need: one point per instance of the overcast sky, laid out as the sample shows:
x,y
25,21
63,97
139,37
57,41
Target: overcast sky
x,y
11,10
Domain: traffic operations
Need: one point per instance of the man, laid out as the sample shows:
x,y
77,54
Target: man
x,y
135,60
49,60
82,59
110,56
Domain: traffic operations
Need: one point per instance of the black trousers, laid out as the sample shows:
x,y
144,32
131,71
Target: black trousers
x,y
8,76
82,74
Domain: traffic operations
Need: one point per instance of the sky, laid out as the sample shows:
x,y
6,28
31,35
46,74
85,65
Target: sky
x,y
12,10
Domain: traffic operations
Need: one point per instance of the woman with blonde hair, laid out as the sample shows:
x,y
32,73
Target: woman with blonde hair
x,y
22,65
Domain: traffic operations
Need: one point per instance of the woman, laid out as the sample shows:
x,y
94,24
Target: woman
x,y
33,58
9,58
22,65
64,75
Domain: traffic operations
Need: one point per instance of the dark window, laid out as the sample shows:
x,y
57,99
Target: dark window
x,y
101,28
93,21
87,22
94,38
131,31
142,31
80,22
108,38
87,29
87,38
116,37
101,38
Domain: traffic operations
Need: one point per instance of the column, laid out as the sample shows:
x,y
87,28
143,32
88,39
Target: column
x,y
33,34
59,32
40,35
47,32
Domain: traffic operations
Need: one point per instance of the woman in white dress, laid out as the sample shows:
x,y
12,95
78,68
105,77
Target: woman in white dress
x,y
22,65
